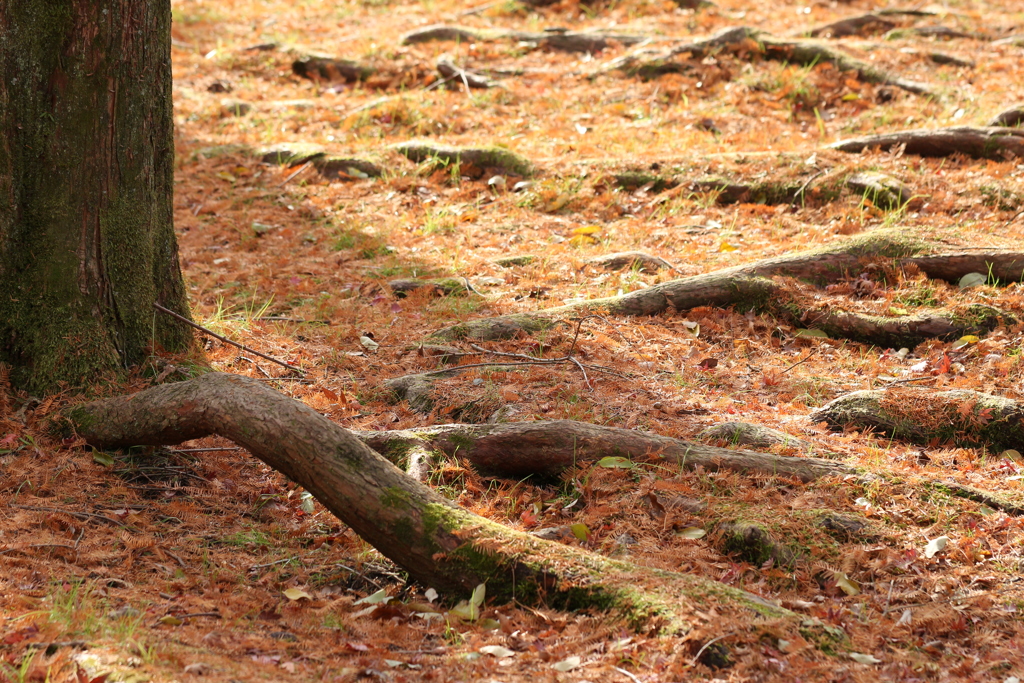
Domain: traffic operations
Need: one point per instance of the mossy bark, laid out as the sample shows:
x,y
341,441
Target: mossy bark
x,y
960,416
437,542
86,177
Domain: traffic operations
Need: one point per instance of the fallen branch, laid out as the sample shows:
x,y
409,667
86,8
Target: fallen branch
x,y
224,339
437,542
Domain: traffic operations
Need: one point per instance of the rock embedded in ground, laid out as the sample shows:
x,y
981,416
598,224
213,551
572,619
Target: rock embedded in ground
x,y
233,107
290,153
634,260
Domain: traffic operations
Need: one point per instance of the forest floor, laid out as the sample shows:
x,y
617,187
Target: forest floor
x,y
186,564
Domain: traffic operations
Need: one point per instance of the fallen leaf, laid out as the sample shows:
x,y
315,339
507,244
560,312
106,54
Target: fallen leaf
x,y
615,462
935,546
580,531
864,659
380,596
567,664
298,594
496,651
691,532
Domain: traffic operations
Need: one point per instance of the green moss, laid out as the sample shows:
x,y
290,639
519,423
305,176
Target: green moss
x,y
395,498
632,180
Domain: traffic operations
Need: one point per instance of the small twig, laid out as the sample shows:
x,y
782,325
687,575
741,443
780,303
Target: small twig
x,y
627,674
271,564
204,450
73,513
470,287
480,8
908,380
225,339
256,365
212,615
295,173
799,362
586,379
803,188
709,644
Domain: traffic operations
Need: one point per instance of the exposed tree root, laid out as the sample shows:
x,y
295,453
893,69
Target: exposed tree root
x,y
749,286
992,142
437,542
860,25
1010,118
565,41
757,436
331,70
652,63
460,77
519,449
474,161
960,416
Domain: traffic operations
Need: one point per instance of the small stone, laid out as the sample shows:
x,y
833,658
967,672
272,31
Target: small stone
x,y
198,669
219,87
230,107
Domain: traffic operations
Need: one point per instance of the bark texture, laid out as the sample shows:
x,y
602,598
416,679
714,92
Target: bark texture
x,y
440,544
86,176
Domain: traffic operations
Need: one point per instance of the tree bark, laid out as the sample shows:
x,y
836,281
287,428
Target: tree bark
x,y
86,175
439,543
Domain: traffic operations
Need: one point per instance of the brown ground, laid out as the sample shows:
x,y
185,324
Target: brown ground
x,y
186,561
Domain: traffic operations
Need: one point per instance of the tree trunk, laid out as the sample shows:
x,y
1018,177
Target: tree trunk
x,y
439,543
86,175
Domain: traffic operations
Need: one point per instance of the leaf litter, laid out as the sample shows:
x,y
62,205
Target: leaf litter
x,y
163,563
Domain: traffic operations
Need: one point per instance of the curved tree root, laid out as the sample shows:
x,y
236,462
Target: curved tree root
x,y
991,142
519,449
749,286
439,543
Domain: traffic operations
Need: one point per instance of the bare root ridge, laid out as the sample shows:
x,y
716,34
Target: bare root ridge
x,y
650,63
750,286
989,142
439,543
